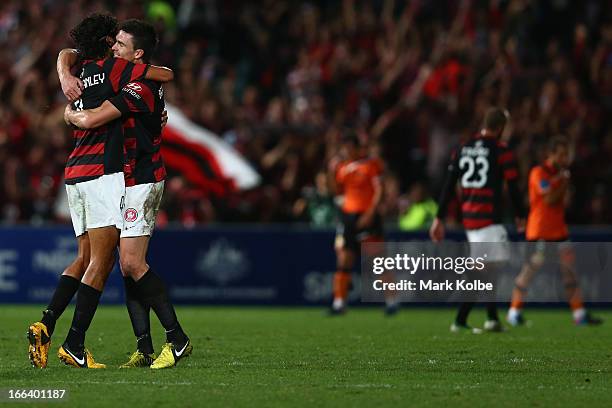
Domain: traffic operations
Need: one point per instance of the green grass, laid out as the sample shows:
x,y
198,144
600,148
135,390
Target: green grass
x,y
299,357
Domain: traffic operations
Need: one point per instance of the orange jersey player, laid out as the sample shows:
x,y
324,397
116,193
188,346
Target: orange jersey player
x,y
548,189
358,179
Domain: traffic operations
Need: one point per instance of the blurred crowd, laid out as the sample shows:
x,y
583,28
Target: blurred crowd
x,y
280,80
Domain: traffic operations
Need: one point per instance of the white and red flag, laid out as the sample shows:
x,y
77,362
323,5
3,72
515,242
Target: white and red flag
x,y
203,158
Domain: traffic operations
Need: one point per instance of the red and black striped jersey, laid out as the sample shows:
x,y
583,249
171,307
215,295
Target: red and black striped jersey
x,y
99,151
481,166
141,104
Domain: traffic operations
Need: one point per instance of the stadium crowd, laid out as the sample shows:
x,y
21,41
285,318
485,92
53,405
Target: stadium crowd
x,y
280,80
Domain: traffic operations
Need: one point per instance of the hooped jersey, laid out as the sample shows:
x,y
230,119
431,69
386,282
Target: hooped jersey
x,y
141,104
99,151
480,167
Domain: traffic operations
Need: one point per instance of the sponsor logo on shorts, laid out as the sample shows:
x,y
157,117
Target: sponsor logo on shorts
x,y
130,215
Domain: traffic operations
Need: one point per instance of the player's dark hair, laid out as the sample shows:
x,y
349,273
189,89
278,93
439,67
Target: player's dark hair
x,y
556,142
90,36
495,119
143,35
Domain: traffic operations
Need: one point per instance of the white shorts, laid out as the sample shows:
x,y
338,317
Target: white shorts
x,y
491,241
96,203
141,205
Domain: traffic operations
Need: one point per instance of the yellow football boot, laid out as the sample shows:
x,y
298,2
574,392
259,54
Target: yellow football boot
x,y
139,359
70,358
170,355
40,341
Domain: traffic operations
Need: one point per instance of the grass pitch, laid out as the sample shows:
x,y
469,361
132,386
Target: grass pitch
x,y
299,357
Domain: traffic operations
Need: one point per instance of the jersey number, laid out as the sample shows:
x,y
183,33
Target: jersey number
x,y
78,105
477,167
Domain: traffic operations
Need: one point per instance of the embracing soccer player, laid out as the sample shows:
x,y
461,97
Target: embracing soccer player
x,y
481,166
548,189
96,190
140,104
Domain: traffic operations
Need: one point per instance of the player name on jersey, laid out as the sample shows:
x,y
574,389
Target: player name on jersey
x,y
95,79
478,150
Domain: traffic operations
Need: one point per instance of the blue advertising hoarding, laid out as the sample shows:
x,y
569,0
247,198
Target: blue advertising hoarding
x,y
241,265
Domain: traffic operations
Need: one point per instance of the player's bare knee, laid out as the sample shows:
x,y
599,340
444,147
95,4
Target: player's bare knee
x,y
344,259
536,262
567,258
567,272
94,268
132,266
521,283
101,265
77,268
85,254
84,261
127,265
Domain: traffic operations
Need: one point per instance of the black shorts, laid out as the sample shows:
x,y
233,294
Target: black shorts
x,y
348,236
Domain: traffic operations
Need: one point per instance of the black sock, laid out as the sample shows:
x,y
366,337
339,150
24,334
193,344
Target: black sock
x,y
176,336
86,305
492,311
65,290
464,311
139,315
144,344
152,291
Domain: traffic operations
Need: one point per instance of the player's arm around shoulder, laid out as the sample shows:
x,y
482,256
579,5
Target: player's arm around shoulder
x,y
72,87
91,118
159,74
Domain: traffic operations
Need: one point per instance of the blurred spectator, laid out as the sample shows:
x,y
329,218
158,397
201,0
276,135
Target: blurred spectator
x,y
421,210
317,204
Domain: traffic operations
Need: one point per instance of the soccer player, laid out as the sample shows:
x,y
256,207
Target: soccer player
x,y
140,104
481,166
96,188
548,189
358,178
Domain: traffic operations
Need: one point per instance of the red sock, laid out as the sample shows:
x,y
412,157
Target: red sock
x,y
342,282
517,298
574,297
